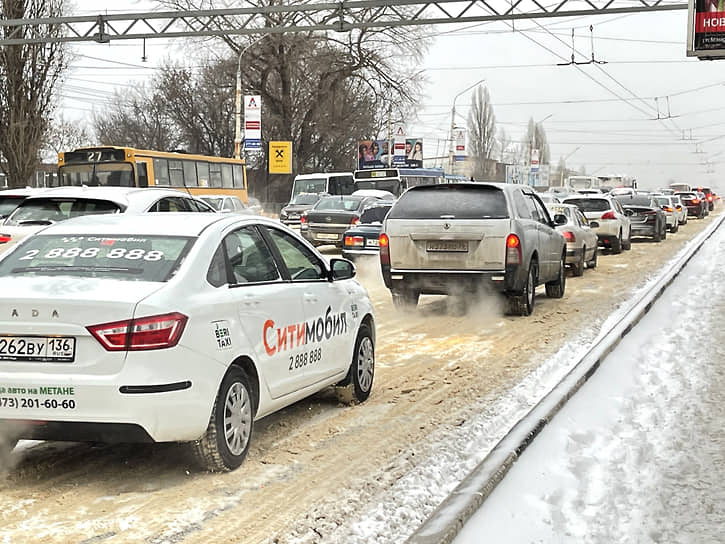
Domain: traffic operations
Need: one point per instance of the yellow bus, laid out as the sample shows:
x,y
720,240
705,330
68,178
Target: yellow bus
x,y
128,167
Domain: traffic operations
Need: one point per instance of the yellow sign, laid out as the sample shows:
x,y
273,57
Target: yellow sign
x,y
280,157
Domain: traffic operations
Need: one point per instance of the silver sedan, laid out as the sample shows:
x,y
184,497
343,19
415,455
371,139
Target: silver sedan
x,y
581,240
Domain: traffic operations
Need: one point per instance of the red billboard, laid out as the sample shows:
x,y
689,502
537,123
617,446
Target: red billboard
x,y
706,29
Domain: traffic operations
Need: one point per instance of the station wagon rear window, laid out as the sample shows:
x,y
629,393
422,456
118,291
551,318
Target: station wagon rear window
x,y
46,211
589,204
455,202
124,257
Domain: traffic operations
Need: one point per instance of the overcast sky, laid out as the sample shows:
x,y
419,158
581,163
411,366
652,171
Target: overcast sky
x,y
602,116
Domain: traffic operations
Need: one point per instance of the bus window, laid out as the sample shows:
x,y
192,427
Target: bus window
x,y
238,176
161,172
190,173
332,187
142,175
227,181
202,169
345,184
215,175
176,174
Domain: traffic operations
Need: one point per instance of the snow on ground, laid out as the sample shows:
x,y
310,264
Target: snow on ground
x,y
638,455
454,452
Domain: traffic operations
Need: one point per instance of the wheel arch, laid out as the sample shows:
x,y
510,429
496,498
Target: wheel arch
x,y
246,364
369,320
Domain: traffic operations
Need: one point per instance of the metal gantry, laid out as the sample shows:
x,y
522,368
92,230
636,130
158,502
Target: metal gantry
x,y
306,17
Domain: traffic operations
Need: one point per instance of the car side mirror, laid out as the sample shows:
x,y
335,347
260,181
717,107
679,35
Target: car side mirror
x,y
628,212
560,219
341,269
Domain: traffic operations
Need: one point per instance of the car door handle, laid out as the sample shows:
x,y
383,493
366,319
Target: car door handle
x,y
310,297
250,301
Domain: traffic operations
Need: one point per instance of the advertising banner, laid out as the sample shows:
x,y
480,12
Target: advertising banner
x,y
460,145
534,160
706,29
280,157
252,122
374,153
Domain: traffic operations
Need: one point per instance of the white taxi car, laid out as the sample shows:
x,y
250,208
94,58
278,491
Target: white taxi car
x,y
173,327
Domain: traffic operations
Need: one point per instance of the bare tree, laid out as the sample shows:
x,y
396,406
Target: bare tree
x,y
536,139
64,135
137,118
29,75
482,134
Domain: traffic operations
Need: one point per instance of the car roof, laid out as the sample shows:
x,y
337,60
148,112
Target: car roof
x,y
123,196
24,191
156,223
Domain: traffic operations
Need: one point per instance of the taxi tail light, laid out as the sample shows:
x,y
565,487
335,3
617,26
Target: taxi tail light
x,y
384,243
354,241
609,215
569,236
513,249
5,238
155,332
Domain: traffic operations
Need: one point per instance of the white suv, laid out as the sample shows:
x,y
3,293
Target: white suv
x,y
606,216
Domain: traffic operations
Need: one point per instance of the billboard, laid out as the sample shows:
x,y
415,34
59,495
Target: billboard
x,y
252,121
374,154
460,145
706,29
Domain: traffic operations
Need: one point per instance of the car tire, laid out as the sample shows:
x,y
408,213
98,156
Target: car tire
x,y
627,244
617,245
657,236
523,304
578,267
556,288
664,231
674,228
361,373
405,299
593,262
233,415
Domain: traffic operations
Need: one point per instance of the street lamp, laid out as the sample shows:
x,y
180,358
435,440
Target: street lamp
x,y
238,114
453,122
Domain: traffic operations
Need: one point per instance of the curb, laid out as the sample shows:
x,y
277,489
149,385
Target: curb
x,y
446,521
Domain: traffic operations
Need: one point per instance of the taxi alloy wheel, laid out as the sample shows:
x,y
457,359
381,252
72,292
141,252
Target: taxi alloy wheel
x,y
226,441
362,369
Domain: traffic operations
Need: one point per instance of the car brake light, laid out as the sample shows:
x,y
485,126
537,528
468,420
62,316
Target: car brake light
x,y
303,219
155,332
5,238
569,236
668,209
354,241
709,197
384,243
695,200
609,215
354,221
513,249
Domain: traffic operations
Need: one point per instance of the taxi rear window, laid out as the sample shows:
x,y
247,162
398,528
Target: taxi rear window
x,y
124,257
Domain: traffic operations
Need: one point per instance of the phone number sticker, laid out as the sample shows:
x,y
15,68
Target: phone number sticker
x,y
20,403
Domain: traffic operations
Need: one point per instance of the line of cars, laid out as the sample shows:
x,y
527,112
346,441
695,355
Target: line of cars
x,y
142,321
458,238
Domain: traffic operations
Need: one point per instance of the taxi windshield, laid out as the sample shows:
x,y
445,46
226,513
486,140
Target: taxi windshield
x,y
125,257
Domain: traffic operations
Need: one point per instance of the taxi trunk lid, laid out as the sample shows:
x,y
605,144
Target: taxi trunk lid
x,y
62,307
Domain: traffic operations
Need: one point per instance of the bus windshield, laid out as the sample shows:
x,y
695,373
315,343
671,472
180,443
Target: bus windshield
x,y
391,185
95,174
309,185
582,183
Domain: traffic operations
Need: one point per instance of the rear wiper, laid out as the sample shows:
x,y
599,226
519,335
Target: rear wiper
x,y
121,270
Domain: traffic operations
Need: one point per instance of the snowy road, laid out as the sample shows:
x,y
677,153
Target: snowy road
x,y
448,385
638,455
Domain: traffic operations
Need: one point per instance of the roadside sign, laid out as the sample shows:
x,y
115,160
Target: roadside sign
x,y
252,122
534,160
280,157
706,29
460,143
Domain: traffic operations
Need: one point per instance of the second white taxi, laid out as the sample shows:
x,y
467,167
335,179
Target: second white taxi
x,y
173,327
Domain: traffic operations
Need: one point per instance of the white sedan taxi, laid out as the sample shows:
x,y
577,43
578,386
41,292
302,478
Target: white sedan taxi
x,y
173,327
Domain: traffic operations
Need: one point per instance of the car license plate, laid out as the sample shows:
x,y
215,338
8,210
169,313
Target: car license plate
x,y
372,242
37,348
293,216
447,245
326,236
